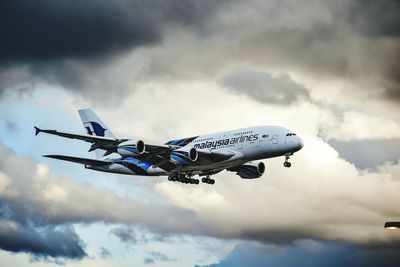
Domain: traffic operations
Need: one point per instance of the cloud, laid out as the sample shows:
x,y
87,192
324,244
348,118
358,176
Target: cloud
x,y
284,206
126,235
40,242
104,253
308,253
355,125
155,256
265,87
73,44
37,209
325,41
359,153
375,18
47,30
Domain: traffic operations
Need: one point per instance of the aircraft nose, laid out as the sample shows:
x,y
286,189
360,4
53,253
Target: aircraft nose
x,y
301,143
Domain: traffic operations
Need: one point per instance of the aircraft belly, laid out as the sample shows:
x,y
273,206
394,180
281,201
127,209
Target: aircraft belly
x,y
271,151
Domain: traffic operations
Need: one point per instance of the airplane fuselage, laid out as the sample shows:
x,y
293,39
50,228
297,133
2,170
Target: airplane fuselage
x,y
247,144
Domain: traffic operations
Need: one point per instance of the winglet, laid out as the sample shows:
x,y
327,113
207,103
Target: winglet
x,y
37,130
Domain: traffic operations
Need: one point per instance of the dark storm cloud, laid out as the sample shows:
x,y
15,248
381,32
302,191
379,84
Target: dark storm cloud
x,y
375,18
309,253
67,42
359,153
48,30
75,43
24,229
357,40
41,242
265,87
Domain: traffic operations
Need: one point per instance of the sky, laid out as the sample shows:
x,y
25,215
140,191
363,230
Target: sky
x,y
159,70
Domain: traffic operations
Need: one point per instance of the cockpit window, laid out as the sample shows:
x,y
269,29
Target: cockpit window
x,y
290,134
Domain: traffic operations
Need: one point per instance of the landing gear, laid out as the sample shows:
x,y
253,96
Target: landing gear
x,y
287,164
208,180
178,177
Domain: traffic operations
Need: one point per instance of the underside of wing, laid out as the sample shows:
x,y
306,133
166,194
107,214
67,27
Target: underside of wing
x,y
86,161
158,156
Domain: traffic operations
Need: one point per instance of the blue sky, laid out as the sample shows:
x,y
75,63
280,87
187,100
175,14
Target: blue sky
x,y
158,70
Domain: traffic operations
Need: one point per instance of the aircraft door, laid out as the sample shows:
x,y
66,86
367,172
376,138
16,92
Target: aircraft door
x,y
274,139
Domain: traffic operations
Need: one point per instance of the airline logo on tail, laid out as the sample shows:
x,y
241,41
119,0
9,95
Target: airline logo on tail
x,y
93,127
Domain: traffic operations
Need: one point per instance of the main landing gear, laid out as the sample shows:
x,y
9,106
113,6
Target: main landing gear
x,y
187,179
287,164
208,180
183,179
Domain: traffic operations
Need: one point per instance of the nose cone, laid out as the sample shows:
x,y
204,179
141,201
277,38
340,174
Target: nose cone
x,y
300,143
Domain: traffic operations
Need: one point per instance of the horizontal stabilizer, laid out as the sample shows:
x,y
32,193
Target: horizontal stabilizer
x,y
86,161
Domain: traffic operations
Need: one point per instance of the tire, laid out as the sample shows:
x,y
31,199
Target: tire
x,y
212,181
196,181
285,164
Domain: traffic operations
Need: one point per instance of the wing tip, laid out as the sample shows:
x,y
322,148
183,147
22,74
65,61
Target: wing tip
x,y
37,130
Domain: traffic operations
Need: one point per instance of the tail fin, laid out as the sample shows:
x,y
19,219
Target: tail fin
x,y
94,126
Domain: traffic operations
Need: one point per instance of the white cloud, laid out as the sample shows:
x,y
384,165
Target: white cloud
x,y
360,126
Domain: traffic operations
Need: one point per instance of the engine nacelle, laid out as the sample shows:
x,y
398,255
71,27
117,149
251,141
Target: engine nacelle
x,y
131,148
251,170
183,156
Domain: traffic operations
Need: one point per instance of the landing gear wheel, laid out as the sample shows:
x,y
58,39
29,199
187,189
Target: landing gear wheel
x,y
212,181
287,164
203,180
196,181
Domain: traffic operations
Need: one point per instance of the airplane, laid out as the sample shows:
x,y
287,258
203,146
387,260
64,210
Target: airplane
x,y
238,151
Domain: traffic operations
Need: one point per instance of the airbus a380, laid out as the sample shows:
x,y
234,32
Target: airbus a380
x,y
181,159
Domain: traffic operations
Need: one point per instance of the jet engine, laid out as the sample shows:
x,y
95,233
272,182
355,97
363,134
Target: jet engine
x,y
251,170
131,148
183,156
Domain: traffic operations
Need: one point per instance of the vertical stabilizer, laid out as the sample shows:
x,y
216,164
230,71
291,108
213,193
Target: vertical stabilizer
x,y
94,126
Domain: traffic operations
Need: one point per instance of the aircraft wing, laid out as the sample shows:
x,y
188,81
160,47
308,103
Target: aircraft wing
x,y
86,161
157,155
105,143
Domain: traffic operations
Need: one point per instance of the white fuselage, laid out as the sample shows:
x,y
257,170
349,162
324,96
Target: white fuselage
x,y
247,144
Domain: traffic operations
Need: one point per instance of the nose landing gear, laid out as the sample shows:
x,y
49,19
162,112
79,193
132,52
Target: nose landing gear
x,y
287,164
